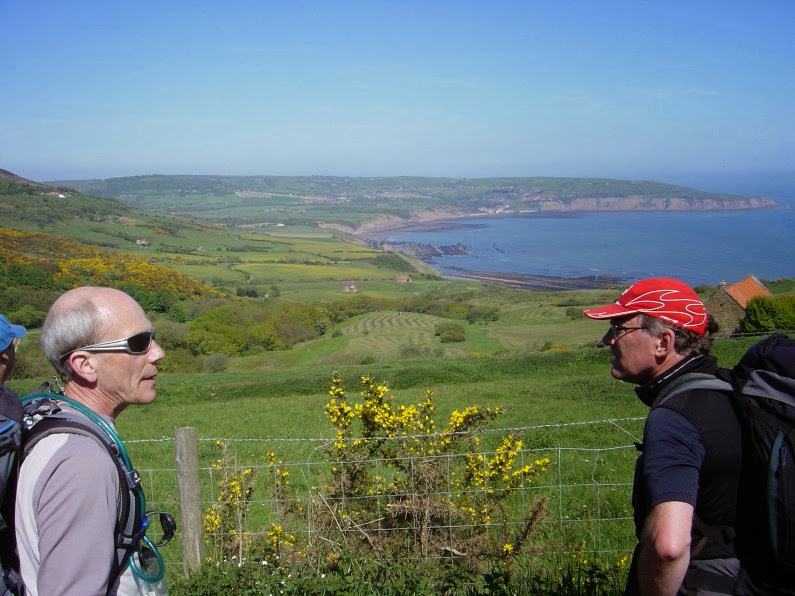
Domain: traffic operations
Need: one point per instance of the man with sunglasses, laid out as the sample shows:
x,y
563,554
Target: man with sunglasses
x,y
687,475
69,493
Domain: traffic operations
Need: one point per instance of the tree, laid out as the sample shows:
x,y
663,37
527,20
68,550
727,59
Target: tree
x,y
764,314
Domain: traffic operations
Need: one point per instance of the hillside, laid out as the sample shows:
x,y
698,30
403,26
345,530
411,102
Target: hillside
x,y
355,204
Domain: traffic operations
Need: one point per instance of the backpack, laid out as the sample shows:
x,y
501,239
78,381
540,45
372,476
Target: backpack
x,y
762,390
764,397
10,444
44,414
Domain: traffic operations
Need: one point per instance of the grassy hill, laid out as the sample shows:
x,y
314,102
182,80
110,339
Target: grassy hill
x,y
289,281
347,201
291,278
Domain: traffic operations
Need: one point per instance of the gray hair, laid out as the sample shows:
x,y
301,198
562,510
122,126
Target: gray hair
x,y
66,328
687,343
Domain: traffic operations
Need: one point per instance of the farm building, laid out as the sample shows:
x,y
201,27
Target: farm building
x,y
349,287
403,279
727,305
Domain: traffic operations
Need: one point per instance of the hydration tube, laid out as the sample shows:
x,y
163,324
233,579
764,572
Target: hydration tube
x,y
137,491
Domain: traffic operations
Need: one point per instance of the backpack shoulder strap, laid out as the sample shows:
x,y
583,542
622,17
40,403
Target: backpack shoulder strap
x,y
690,381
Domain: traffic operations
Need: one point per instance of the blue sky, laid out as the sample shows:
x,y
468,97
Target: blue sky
x,y
626,89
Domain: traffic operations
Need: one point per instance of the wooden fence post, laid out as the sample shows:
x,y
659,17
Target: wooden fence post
x,y
190,506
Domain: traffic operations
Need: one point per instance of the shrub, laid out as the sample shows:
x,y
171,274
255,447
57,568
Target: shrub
x,y
215,363
450,332
769,314
414,474
178,313
180,360
28,317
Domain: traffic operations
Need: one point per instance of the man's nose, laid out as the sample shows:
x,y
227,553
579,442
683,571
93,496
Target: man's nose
x,y
606,340
156,350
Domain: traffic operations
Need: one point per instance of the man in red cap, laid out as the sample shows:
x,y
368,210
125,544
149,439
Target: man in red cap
x,y
687,475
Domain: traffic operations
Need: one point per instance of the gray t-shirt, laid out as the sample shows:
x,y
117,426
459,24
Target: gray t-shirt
x,y
66,509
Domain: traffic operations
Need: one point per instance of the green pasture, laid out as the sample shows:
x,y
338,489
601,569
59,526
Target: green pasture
x,y
563,404
542,394
323,291
393,336
278,272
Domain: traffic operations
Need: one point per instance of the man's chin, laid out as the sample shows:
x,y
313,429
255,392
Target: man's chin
x,y
617,374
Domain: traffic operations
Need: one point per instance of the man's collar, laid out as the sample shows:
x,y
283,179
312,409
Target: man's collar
x,y
646,393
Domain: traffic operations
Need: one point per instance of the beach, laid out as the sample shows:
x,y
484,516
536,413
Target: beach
x,y
536,283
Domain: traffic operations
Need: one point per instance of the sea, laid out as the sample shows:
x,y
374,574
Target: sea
x,y
698,247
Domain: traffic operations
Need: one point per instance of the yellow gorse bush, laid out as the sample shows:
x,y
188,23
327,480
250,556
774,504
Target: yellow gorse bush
x,y
225,523
419,462
72,264
393,483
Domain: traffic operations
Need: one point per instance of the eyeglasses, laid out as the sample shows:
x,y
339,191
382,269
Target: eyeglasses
x,y
616,330
135,344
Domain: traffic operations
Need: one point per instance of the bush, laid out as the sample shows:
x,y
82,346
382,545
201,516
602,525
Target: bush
x,y
178,313
28,317
769,314
450,332
180,360
31,364
215,363
414,481
354,576
170,335
412,350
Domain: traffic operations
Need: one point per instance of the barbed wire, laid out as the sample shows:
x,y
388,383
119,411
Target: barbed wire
x,y
515,429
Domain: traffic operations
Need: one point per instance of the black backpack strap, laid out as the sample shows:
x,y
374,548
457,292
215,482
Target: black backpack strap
x,y
690,381
127,530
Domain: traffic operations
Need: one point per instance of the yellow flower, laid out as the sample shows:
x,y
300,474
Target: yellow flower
x,y
507,549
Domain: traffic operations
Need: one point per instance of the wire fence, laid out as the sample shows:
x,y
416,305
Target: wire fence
x,y
293,491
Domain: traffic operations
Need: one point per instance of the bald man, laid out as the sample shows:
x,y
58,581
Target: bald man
x,y
69,494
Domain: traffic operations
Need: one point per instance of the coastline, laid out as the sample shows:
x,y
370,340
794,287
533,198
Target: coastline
x,y
381,233
536,283
517,281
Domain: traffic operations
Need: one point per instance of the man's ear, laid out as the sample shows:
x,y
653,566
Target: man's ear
x,y
666,342
83,366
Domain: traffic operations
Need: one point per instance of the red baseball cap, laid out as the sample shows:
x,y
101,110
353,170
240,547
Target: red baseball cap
x,y
668,299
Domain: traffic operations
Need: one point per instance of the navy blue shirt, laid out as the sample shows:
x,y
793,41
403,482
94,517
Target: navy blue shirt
x,y
692,453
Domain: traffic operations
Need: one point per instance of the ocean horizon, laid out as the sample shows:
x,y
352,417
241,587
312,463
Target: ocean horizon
x,y
698,247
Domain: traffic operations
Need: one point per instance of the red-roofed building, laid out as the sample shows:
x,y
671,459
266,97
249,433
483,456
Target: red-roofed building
x,y
727,305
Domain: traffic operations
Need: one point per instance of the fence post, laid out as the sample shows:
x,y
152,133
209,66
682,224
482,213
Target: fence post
x,y
187,463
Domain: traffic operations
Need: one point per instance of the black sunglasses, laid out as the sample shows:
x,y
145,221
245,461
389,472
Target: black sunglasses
x,y
135,344
168,526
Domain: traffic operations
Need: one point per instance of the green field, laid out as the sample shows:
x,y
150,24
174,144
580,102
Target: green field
x,y
546,396
531,353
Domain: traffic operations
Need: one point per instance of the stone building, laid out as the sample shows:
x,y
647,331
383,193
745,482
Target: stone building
x,y
727,305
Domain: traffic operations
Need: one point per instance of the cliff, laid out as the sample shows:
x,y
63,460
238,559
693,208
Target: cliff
x,y
643,203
